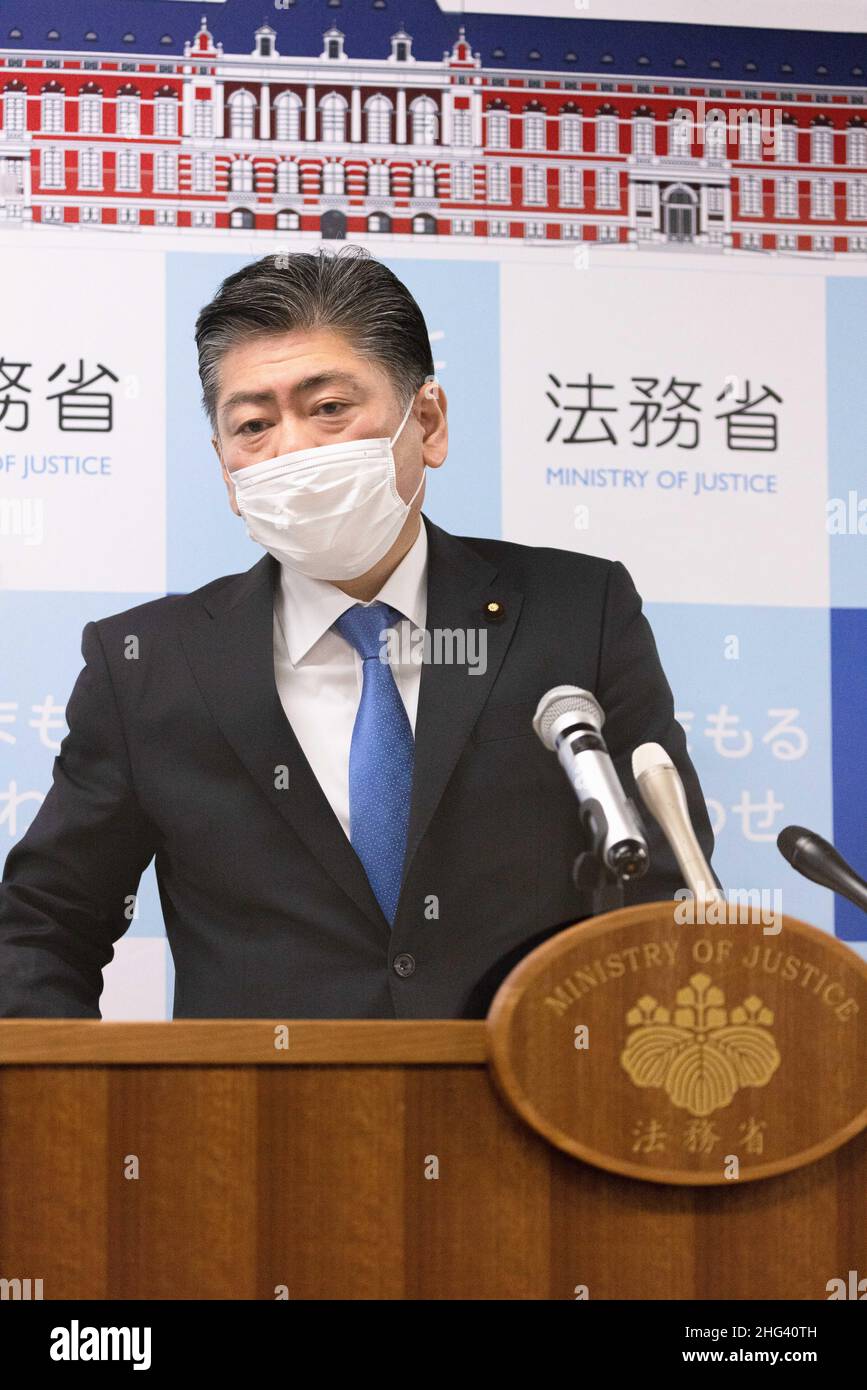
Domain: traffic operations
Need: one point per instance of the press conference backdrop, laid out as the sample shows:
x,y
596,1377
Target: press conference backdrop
x,y
652,344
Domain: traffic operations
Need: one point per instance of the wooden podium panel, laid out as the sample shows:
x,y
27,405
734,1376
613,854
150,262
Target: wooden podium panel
x,y
305,1168
686,1052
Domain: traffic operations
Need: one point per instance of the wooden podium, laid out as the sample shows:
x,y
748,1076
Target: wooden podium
x,y
562,1148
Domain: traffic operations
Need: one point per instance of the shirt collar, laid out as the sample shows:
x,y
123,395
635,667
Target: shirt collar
x,y
309,607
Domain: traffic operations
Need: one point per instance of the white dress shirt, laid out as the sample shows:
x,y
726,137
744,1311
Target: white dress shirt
x,y
319,674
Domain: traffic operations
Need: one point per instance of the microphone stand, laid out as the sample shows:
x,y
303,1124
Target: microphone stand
x,y
590,875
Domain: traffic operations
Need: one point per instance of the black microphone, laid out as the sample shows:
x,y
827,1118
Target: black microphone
x,y
817,860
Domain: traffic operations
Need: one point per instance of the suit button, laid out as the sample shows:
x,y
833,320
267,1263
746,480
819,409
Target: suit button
x,y
404,964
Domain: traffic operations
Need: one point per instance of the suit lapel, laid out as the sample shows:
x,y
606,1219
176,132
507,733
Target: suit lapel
x,y
460,583
228,640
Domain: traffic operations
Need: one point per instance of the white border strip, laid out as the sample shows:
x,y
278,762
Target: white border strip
x,y
834,16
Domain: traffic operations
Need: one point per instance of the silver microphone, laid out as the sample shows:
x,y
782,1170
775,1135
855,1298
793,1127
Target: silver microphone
x,y
568,720
662,792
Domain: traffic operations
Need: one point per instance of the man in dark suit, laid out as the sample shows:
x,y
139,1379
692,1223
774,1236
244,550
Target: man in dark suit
x,y
340,830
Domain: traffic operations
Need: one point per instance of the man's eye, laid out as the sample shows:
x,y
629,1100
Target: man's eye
x,y
249,427
331,406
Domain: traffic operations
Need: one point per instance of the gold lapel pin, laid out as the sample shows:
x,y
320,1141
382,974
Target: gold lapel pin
x,y
494,611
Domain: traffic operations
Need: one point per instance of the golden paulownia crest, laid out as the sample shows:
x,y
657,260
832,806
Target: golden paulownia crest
x,y
707,1053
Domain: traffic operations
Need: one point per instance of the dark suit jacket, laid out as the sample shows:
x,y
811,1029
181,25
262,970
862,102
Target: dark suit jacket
x,y
268,911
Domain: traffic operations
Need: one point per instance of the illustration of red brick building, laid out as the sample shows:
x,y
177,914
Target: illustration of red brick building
x,y
405,145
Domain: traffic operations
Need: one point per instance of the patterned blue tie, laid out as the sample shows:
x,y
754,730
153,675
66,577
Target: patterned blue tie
x,y
380,757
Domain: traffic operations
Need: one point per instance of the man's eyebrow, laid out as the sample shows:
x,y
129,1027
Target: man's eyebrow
x,y
310,383
307,383
247,398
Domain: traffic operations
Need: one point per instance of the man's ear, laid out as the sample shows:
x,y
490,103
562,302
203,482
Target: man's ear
x,y
434,413
230,489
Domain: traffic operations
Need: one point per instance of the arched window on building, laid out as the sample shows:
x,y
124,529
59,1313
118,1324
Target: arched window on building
x,y
129,113
607,133
288,220
679,213
203,173
785,197
332,225
242,115
89,167
379,222
90,110
856,144
750,195
14,112
822,145
498,183
572,186
856,198
165,171
423,117
643,139
166,116
378,111
715,132
786,141
423,181
203,118
127,170
378,181
333,177
535,184
462,127
570,132
52,110
288,176
607,188
333,117
241,176
463,181
498,129
534,130
821,198
680,134
51,171
287,116
750,137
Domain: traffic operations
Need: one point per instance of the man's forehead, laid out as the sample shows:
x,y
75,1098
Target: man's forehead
x,y
271,370
293,351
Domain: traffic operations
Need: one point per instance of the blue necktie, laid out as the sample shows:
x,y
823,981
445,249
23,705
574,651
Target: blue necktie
x,y
380,757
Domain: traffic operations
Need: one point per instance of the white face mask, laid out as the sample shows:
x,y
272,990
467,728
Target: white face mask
x,y
331,512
